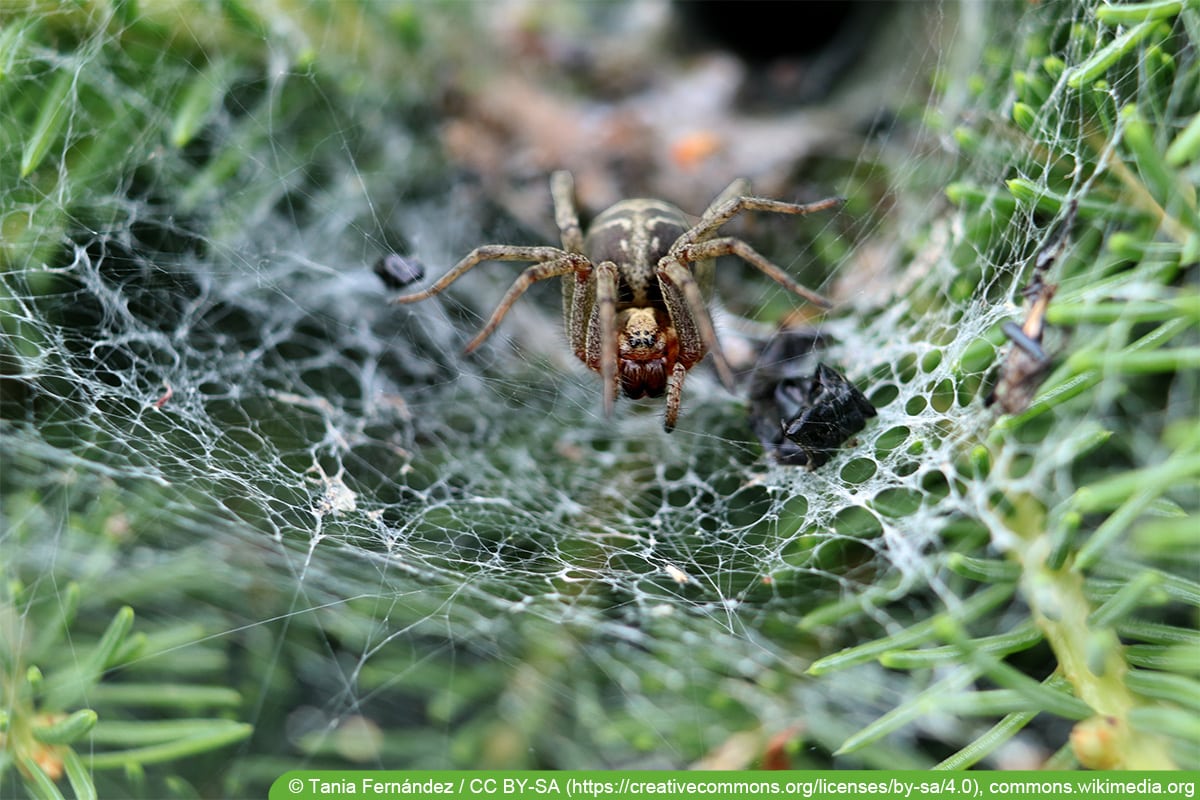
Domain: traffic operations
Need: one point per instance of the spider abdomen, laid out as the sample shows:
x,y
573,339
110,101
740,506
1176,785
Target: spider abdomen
x,y
635,235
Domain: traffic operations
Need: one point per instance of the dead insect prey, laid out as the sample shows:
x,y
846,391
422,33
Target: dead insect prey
x,y
1027,363
636,286
800,414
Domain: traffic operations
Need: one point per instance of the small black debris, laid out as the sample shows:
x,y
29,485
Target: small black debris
x,y
397,271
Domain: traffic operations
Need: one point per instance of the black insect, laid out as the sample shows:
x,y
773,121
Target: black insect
x,y
397,271
800,414
1027,363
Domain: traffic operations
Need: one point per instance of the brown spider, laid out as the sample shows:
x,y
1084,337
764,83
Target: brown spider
x,y
635,287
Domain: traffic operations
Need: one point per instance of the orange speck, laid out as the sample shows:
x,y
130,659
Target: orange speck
x,y
689,151
48,758
776,755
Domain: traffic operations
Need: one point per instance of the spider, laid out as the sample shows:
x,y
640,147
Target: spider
x,y
635,287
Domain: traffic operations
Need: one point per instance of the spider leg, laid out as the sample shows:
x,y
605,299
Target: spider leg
x,y
489,252
692,316
579,299
562,191
674,392
725,208
730,246
606,330
739,187
565,264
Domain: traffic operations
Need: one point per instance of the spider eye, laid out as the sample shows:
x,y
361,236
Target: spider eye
x,y
643,333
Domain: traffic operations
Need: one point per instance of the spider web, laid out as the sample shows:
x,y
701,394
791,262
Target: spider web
x,y
211,413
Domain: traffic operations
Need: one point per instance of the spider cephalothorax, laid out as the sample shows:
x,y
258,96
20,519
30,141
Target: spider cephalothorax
x,y
635,289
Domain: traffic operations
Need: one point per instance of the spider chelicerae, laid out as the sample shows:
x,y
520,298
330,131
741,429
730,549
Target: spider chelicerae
x,y
635,287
